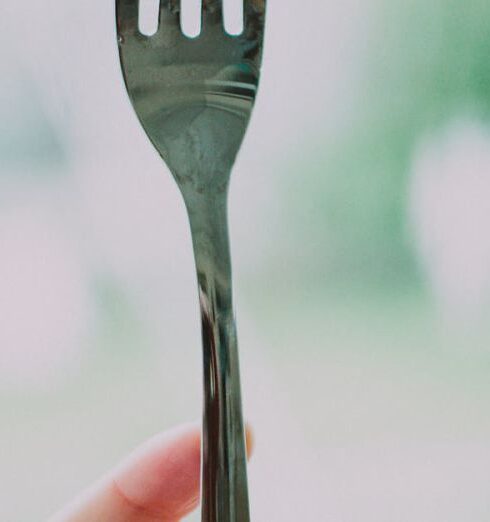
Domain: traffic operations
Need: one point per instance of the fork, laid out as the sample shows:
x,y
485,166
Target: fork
x,y
194,98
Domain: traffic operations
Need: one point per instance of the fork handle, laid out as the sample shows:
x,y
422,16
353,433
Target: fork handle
x,y
224,462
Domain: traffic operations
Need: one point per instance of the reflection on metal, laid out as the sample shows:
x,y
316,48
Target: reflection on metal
x,y
194,98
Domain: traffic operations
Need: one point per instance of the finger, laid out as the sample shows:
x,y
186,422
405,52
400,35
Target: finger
x,y
159,482
250,441
162,477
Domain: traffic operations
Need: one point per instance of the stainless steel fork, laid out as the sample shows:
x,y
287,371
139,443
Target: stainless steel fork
x,y
194,98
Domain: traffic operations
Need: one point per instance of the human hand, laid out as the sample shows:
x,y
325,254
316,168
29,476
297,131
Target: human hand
x,y
159,482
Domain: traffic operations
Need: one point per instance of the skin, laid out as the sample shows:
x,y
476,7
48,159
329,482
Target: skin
x,y
158,482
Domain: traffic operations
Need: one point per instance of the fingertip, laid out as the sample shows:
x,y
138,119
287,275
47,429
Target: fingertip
x,y
163,476
250,441
160,480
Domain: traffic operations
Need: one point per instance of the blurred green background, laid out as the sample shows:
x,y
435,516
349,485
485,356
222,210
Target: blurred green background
x,y
359,210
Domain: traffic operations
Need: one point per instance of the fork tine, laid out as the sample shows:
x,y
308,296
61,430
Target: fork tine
x,y
170,13
254,12
212,12
127,12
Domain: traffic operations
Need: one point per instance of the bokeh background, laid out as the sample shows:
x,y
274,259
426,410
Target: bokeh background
x,y
360,212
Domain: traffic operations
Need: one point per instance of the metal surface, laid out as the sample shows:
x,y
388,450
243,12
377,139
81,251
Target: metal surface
x,y
194,98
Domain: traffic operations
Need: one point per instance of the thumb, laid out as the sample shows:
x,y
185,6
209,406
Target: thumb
x,y
159,482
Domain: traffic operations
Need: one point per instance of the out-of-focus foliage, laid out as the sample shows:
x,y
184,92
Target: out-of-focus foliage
x,y
425,63
28,138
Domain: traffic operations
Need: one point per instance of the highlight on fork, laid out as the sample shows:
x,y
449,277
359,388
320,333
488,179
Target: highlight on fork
x,y
359,219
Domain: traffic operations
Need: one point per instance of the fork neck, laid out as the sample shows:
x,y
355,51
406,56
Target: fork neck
x,y
208,217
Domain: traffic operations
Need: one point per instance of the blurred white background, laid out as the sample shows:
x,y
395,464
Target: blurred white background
x,y
362,265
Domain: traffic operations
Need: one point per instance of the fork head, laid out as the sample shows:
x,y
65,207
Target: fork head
x,y
193,96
